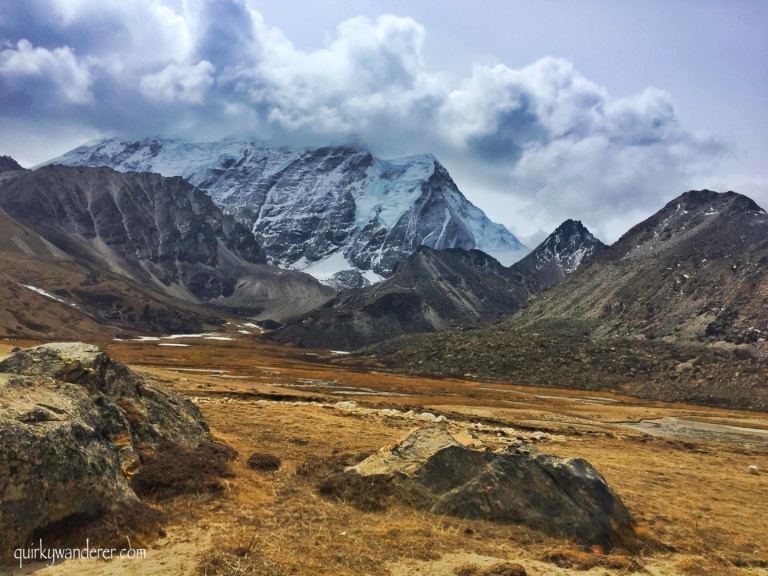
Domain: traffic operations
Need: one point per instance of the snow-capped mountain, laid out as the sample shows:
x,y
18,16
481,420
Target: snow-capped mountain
x,y
320,210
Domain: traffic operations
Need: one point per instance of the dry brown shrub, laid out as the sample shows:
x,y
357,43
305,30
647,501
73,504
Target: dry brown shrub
x,y
263,462
367,493
174,469
503,569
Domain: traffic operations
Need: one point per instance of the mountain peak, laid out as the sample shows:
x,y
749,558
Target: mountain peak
x,y
696,199
322,209
561,253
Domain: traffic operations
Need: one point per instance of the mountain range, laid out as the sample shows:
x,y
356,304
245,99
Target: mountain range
x,y
675,310
320,210
438,290
695,270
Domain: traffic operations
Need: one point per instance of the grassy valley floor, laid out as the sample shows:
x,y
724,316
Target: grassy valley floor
x,y
698,509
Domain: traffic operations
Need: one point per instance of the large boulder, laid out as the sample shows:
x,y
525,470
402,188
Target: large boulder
x,y
72,424
565,498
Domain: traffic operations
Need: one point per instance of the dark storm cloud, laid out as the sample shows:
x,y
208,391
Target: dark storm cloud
x,y
543,134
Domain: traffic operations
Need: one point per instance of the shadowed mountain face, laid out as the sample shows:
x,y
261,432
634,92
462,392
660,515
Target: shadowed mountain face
x,y
433,290
694,270
437,290
154,245
149,227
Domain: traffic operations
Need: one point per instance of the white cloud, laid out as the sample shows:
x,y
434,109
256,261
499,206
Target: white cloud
x,y
550,140
59,68
178,83
373,68
125,38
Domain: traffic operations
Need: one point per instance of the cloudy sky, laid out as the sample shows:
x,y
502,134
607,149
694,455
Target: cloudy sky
x,y
541,110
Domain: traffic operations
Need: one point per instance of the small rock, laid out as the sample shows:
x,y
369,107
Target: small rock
x,y
752,470
346,404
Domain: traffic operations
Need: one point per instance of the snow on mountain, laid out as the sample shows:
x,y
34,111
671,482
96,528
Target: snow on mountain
x,y
560,254
321,210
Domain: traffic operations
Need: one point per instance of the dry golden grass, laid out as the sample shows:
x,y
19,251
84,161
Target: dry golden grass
x,y
696,507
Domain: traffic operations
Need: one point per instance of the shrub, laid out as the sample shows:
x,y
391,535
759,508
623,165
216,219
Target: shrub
x,y
174,469
263,462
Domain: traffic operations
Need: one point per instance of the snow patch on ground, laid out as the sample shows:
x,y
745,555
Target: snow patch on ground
x,y
49,295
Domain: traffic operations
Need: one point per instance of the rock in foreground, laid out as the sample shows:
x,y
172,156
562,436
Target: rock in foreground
x,y
565,498
72,423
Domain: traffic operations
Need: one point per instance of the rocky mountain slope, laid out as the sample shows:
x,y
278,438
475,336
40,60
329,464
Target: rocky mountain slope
x,y
127,246
322,210
695,270
433,290
436,290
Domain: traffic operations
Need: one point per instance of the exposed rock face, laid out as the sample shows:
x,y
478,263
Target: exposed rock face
x,y
695,270
347,280
441,290
72,421
565,498
310,205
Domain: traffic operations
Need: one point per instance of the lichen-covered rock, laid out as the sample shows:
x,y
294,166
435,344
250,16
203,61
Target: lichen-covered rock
x,y
128,402
565,498
72,422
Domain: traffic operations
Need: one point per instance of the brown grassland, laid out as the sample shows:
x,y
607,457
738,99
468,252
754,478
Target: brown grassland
x,y
698,510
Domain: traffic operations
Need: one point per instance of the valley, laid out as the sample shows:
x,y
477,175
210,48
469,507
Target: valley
x,y
698,510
